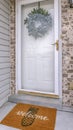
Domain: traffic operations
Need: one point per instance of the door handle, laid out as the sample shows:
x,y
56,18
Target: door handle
x,y
57,44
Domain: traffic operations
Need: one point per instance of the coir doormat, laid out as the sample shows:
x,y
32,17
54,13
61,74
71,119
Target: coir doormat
x,y
31,117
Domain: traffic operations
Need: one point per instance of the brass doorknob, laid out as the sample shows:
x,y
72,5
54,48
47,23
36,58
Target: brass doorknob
x,y
57,44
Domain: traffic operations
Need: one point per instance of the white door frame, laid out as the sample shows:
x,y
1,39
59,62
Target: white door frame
x,y
19,3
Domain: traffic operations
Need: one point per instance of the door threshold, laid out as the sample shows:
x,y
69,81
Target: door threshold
x,y
38,94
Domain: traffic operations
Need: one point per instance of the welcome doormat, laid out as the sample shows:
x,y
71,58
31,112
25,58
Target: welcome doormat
x,y
31,117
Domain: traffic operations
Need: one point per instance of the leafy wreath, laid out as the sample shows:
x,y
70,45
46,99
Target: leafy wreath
x,y
38,22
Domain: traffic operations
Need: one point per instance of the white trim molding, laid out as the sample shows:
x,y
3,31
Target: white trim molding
x,y
56,37
19,4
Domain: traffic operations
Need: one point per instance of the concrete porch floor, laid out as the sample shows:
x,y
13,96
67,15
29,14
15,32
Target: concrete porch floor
x,y
64,120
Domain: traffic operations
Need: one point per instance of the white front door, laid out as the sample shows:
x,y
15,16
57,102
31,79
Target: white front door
x,y
39,57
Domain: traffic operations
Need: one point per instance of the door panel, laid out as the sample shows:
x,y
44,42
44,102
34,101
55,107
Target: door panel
x,y
37,55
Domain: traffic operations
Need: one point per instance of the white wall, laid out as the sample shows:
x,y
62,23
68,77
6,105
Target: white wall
x,y
4,51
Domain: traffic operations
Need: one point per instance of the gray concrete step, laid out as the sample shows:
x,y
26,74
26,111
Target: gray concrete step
x,y
37,100
41,101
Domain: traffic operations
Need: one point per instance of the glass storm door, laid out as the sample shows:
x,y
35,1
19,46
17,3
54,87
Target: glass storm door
x,y
38,55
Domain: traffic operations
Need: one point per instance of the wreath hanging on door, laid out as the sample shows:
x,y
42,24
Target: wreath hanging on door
x,y
38,22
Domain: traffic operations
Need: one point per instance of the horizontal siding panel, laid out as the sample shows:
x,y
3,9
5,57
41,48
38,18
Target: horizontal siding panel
x,y
3,2
3,53
4,42
4,18
4,36
7,23
4,13
4,25
4,59
4,48
4,71
4,65
4,94
5,82
3,77
2,101
4,88
8,1
3,7
3,30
